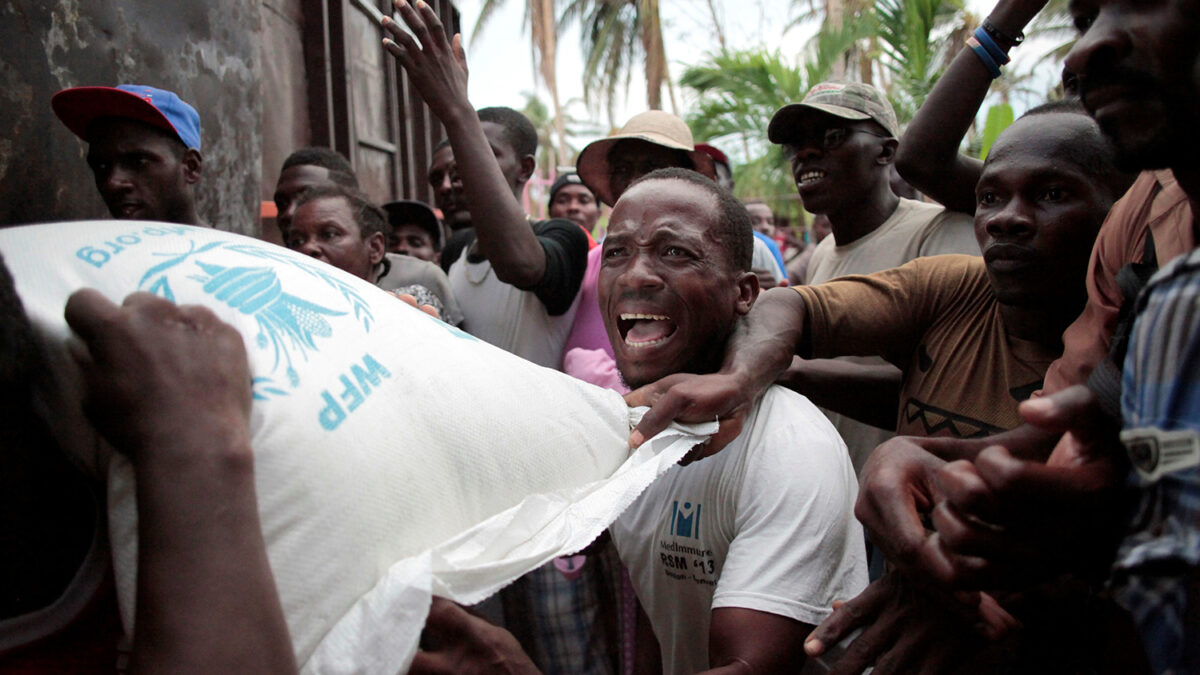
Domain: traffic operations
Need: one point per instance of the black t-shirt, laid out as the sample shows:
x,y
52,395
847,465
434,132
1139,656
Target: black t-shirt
x,y
566,247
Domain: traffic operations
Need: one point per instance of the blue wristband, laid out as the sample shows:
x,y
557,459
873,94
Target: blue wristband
x,y
982,52
988,43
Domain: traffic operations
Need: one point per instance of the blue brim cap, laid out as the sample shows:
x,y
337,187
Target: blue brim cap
x,y
78,107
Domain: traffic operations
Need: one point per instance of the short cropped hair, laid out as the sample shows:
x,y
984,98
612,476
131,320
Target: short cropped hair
x,y
335,162
518,130
1094,153
369,217
735,233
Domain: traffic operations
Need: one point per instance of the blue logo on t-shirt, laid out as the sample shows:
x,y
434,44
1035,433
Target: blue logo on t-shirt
x,y
685,520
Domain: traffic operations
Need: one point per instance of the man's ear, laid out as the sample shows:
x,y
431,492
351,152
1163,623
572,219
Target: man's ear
x,y
887,151
528,164
376,247
192,163
747,287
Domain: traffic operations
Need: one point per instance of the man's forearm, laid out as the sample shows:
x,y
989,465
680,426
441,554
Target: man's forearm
x,y
503,234
765,340
928,157
206,598
864,392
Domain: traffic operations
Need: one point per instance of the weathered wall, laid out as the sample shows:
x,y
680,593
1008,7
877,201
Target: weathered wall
x,y
285,88
207,52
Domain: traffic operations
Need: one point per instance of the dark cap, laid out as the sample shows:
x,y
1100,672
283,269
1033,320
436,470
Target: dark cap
x,y
412,212
565,179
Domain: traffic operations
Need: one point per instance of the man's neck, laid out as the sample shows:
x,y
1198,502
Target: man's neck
x,y
860,218
1043,325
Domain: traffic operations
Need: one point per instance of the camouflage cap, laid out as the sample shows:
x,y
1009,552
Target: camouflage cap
x,y
847,100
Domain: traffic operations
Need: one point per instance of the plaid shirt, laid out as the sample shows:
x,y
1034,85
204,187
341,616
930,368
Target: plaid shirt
x,y
1160,552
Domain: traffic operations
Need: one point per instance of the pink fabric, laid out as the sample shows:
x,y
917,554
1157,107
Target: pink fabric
x,y
594,367
588,331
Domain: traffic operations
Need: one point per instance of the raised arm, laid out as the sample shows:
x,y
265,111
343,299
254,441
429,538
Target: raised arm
x,y
438,70
928,156
169,387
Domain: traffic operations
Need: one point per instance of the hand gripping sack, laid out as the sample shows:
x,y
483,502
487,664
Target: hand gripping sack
x,y
395,456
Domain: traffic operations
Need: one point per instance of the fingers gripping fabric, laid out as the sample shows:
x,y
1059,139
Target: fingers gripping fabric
x,y
395,456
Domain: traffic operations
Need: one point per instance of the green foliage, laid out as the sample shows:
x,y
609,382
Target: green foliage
x,y
999,117
737,92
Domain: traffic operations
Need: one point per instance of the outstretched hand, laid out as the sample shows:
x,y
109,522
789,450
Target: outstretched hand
x,y
456,642
1007,522
158,373
897,492
437,67
907,629
691,399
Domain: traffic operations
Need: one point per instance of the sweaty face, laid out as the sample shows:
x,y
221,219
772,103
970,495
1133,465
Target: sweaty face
x,y
325,229
293,182
577,203
630,159
1138,69
762,219
1038,210
448,190
139,171
411,240
834,161
667,289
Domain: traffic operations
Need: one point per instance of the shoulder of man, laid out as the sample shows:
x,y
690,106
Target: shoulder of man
x,y
455,245
941,230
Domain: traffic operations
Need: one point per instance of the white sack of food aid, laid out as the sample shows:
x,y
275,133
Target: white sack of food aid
x,y
395,456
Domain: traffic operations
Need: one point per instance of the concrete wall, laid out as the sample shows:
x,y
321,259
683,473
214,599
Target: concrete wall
x,y
207,52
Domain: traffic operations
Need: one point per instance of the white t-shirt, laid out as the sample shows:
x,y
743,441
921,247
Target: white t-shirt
x,y
508,317
914,229
766,524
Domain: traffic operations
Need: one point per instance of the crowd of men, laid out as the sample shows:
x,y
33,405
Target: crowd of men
x,y
1002,475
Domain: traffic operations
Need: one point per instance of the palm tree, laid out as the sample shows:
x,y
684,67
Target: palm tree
x,y
616,34
737,92
543,32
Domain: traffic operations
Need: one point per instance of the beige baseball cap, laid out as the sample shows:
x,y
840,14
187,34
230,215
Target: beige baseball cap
x,y
847,100
653,126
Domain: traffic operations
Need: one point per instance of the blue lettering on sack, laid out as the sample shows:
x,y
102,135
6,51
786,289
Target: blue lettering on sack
x,y
355,388
98,256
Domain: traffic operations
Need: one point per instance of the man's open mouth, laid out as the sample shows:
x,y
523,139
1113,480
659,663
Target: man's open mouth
x,y
645,330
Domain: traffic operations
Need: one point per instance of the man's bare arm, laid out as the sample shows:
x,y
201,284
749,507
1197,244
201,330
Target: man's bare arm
x,y
928,156
169,387
438,71
750,641
867,393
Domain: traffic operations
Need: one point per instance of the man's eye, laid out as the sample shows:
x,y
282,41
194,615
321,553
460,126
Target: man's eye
x,y
1053,194
987,198
675,252
1084,21
612,253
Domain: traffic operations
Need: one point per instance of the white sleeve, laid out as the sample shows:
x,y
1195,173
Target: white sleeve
x,y
798,546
